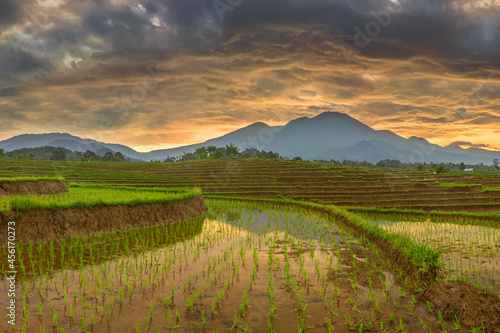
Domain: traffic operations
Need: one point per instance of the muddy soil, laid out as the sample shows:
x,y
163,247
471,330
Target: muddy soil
x,y
471,305
36,225
33,188
251,271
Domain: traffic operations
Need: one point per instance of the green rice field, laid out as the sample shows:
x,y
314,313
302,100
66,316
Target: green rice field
x,y
286,246
245,267
87,196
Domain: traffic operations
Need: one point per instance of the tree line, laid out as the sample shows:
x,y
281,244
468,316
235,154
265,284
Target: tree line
x,y
418,166
229,151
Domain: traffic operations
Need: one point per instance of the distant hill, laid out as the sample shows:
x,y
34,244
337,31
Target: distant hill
x,y
68,141
329,135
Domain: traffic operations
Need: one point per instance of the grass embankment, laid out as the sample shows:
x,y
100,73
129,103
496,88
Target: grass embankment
x,y
490,219
88,196
88,209
29,179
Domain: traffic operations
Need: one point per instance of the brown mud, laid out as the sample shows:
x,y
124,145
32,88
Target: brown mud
x,y
471,305
34,225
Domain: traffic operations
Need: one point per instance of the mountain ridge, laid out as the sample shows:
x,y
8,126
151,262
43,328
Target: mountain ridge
x,y
329,135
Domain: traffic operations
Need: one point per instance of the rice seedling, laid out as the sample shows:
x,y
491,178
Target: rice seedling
x,y
294,259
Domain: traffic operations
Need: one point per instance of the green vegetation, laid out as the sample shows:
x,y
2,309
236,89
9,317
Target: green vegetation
x,y
84,196
29,179
229,151
290,267
276,244
459,243
418,166
457,184
492,215
62,154
462,218
420,255
488,188
320,182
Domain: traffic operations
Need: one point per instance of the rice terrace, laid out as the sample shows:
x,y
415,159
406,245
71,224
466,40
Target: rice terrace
x,y
249,166
248,245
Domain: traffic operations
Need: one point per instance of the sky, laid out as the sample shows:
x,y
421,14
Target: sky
x,y
163,73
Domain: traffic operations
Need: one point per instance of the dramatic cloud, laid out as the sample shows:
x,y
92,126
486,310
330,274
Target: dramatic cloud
x,y
465,144
10,12
151,73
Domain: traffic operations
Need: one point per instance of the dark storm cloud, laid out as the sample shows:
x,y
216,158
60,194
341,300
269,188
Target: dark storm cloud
x,y
17,63
9,91
12,115
62,35
182,13
124,27
113,117
232,62
411,27
10,12
193,26
333,15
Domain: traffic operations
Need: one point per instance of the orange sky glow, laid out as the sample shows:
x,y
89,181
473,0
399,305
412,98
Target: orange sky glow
x,y
153,74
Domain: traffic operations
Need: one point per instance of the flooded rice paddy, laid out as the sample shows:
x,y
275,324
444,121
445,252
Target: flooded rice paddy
x,y
242,269
470,252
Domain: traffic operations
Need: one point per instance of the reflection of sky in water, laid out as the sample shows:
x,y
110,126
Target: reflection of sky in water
x,y
300,226
218,258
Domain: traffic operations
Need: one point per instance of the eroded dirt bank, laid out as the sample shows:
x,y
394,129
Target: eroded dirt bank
x,y
471,305
35,225
33,187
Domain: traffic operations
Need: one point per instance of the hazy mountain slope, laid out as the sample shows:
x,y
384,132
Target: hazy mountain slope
x,y
329,135
240,138
363,151
312,137
33,140
67,141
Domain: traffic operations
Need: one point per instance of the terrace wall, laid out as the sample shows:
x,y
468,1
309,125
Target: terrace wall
x,y
33,187
33,225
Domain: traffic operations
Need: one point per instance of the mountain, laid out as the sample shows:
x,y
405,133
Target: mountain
x,y
370,151
67,141
240,138
329,135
